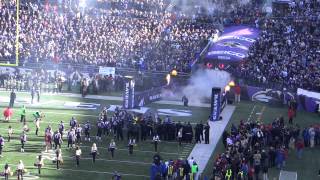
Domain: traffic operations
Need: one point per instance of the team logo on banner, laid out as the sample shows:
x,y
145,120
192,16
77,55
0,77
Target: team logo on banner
x,y
233,45
269,94
126,95
215,104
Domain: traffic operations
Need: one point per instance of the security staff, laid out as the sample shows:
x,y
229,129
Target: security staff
x,y
197,133
170,171
23,114
194,170
240,175
206,133
180,174
12,98
228,174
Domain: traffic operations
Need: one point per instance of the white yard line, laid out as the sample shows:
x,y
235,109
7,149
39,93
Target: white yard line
x,y
261,113
251,113
140,151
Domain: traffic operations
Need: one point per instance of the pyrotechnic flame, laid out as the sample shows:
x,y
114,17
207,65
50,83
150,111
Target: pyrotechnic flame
x,y
168,78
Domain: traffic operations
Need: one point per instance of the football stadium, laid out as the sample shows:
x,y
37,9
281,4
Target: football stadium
x,y
160,89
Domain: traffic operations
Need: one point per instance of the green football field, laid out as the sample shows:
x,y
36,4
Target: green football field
x,y
59,108
135,167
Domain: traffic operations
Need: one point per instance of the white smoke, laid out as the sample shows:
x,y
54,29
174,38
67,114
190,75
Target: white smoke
x,y
202,82
212,7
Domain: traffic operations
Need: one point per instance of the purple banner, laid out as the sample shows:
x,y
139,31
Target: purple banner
x,y
215,104
146,97
268,95
272,97
233,44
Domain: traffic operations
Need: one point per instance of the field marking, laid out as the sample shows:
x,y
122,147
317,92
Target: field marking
x,y
261,113
27,176
52,156
134,150
251,113
85,171
72,114
286,172
84,146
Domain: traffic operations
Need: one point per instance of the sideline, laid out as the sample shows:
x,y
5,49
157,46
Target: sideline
x,y
201,153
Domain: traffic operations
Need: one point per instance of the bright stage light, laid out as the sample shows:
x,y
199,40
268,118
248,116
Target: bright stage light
x,y
168,78
174,72
227,88
232,84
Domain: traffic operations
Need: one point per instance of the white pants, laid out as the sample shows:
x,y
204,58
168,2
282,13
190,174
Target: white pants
x,y
265,176
237,98
312,142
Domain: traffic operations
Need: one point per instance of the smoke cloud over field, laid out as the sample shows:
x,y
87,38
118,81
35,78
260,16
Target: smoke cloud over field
x,y
191,7
201,83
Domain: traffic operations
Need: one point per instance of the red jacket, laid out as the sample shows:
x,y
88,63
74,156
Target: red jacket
x,y
299,145
237,90
7,112
290,113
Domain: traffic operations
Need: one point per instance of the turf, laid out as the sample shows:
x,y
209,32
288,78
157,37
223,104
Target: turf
x,y
135,167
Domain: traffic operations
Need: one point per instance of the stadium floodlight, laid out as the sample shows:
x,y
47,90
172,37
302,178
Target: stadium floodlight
x,y
82,3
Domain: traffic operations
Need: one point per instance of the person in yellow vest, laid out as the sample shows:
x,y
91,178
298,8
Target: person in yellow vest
x,y
170,171
180,174
240,175
228,174
194,171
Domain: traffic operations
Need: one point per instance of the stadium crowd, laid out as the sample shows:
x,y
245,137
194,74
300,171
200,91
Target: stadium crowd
x,y
287,52
121,35
252,147
142,34
147,36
